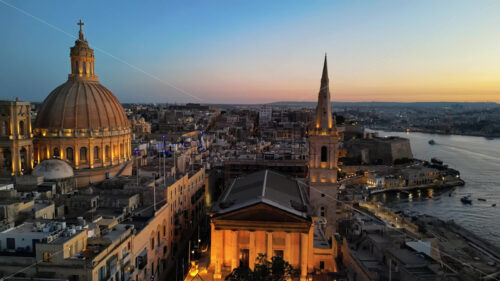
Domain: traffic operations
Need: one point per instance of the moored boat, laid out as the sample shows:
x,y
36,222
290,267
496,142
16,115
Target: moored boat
x,y
466,200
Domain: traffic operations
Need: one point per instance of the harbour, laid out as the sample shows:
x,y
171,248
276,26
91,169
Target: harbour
x,y
478,160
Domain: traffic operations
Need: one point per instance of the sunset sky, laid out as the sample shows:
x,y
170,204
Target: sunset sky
x,y
258,51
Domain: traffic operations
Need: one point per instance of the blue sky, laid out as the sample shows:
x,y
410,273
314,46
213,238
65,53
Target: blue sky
x,y
259,51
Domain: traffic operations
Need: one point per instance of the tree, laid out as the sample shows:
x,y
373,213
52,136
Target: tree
x,y
275,269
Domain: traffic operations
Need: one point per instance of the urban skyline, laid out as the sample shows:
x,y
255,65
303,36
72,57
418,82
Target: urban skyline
x,y
236,52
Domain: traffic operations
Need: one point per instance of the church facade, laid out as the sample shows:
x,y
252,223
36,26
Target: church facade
x,y
267,213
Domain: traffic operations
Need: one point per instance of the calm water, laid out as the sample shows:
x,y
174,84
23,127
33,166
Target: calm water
x,y
478,160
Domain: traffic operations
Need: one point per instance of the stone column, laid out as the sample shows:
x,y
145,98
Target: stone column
x,y
288,248
112,147
235,257
91,156
251,250
217,252
303,256
269,251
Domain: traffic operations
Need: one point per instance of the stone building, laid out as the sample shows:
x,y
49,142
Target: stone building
x,y
323,156
16,140
83,123
267,213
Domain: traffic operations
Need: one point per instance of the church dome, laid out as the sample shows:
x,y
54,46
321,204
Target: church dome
x,y
53,169
81,107
81,104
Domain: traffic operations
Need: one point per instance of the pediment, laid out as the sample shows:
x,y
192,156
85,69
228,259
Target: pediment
x,y
262,212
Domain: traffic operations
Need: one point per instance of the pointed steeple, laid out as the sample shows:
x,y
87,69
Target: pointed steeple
x,y
324,77
324,120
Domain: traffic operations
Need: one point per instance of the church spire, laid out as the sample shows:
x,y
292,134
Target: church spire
x,y
324,120
324,77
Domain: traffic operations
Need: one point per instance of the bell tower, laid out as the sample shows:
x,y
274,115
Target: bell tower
x,y
323,156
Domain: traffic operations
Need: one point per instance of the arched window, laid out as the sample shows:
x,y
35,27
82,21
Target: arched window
x,y
56,152
21,128
121,150
322,213
77,70
96,153
84,68
23,157
90,68
83,154
324,154
107,151
69,154
4,128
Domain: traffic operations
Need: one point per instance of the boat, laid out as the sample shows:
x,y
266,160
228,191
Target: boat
x,y
436,161
431,142
481,199
466,200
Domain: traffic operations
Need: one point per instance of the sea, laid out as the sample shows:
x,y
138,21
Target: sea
x,y
478,161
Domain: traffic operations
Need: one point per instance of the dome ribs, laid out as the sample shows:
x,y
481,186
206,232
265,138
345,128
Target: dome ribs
x,y
81,104
103,105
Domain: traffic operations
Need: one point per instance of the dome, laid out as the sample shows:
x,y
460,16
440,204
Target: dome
x,y
53,169
81,103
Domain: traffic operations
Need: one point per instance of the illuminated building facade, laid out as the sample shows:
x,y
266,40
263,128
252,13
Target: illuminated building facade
x,y
323,156
266,213
16,140
83,123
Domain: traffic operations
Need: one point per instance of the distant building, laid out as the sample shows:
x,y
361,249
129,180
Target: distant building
x,y
16,140
377,150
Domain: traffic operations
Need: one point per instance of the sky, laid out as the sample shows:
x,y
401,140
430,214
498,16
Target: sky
x,y
258,51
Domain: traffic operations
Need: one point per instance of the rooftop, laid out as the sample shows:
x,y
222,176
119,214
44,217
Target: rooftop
x,y
266,187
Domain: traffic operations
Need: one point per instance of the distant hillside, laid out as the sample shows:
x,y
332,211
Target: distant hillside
x,y
470,105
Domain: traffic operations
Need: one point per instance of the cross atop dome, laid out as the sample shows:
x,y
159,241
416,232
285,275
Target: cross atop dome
x,y
80,33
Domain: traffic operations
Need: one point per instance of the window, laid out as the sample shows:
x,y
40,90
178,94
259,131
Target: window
x,y
56,152
69,154
5,128
244,257
322,211
152,243
83,154
96,152
321,265
107,151
11,243
324,156
47,257
84,68
21,128
77,70
278,253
